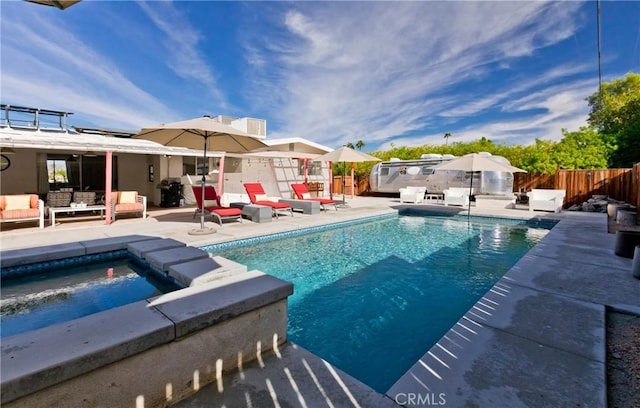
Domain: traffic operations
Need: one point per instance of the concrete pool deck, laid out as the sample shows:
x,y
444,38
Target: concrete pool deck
x,y
536,339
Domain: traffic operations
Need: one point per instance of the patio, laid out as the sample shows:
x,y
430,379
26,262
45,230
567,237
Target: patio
x,y
573,265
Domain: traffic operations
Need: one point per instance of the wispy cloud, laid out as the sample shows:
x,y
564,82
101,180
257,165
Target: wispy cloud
x,y
378,73
554,108
332,72
46,65
182,46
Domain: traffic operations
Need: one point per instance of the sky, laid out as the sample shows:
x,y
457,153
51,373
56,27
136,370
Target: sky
x,y
387,73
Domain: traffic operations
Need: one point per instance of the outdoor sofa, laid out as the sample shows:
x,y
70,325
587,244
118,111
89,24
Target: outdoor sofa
x,y
412,194
546,199
456,196
21,207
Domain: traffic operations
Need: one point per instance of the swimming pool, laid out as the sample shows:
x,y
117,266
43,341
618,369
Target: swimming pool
x,y
47,296
372,298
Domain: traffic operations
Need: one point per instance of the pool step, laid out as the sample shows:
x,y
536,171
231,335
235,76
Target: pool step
x,y
205,270
189,266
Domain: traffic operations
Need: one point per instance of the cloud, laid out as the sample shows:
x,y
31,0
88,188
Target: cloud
x,y
341,72
555,107
46,65
181,46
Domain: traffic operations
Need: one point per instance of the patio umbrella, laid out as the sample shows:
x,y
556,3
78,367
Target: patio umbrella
x,y
202,133
346,154
476,162
61,4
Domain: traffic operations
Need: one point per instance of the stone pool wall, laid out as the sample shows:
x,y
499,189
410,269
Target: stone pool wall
x,y
148,353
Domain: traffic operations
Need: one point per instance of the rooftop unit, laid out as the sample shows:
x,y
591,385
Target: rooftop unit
x,y
251,126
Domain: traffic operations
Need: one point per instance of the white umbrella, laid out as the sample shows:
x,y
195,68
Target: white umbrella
x,y
202,133
476,162
346,154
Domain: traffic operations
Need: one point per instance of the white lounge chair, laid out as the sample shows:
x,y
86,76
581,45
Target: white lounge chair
x,y
456,196
546,199
412,194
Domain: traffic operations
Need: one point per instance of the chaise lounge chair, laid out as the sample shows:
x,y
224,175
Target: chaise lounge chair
x,y
212,205
259,197
302,192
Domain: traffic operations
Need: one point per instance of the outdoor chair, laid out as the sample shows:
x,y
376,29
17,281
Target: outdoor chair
x,y
546,199
456,196
21,207
126,202
302,193
257,196
411,194
212,205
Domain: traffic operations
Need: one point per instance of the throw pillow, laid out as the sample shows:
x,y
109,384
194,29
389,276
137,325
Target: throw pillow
x,y
261,197
127,197
306,196
210,203
17,202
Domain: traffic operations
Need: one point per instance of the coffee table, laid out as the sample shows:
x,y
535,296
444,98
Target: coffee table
x,y
54,210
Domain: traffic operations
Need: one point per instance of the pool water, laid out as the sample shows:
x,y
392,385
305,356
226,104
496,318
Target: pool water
x,y
47,297
372,298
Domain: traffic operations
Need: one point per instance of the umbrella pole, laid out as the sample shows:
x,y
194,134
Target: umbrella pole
x,y
204,180
344,187
470,190
344,182
203,230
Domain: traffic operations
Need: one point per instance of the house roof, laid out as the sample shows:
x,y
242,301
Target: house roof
x,y
75,141
297,144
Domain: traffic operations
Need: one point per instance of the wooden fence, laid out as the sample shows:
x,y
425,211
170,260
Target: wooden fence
x,y
620,184
361,185
580,185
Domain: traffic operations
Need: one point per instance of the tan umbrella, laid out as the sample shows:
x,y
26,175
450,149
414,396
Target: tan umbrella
x,y
202,133
476,162
346,154
61,4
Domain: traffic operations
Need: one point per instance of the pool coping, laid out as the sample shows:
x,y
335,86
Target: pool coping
x,y
601,245
513,347
213,292
529,282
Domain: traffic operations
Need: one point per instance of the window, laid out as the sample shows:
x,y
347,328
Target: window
x,y
384,171
81,173
57,171
426,171
314,168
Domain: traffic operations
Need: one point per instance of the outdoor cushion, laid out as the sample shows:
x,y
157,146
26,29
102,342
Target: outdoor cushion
x,y
87,197
128,207
273,204
58,198
127,197
17,202
20,213
225,212
302,193
261,197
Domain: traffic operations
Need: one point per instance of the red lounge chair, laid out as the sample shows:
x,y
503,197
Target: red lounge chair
x,y
212,205
259,197
303,194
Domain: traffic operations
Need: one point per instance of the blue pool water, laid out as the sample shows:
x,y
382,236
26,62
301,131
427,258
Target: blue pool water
x,y
372,298
49,296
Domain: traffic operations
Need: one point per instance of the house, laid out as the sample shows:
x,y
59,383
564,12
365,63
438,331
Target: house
x,y
41,153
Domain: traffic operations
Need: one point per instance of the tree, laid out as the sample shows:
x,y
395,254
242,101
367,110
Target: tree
x,y
350,145
446,138
584,149
615,113
359,144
